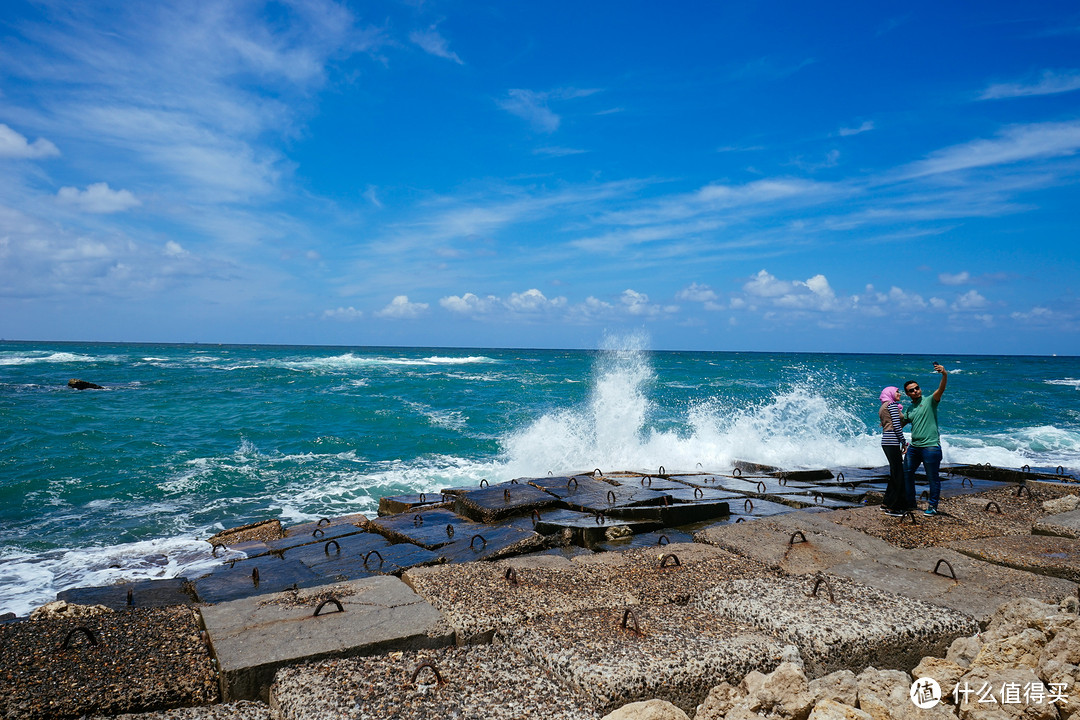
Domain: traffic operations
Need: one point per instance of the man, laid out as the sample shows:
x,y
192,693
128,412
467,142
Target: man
x,y
925,447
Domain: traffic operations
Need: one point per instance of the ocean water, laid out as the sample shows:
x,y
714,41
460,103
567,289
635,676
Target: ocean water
x,y
125,483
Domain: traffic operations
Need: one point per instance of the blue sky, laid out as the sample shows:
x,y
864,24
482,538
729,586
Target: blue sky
x,y
850,177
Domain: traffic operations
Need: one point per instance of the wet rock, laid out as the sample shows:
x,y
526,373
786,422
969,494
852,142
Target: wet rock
x,y
83,385
945,672
1013,651
987,699
648,710
833,710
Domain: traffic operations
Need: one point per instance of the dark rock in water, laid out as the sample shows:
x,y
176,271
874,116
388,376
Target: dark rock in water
x,y
83,385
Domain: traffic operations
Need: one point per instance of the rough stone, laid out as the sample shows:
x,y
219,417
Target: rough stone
x,y
963,650
1063,504
648,710
885,695
839,686
988,701
1013,651
945,672
719,702
833,710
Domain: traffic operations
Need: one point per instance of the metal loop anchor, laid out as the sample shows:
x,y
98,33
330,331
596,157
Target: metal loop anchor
x,y
699,493
321,521
431,666
511,576
670,556
663,540
1020,490
255,576
611,497
997,507
83,630
131,597
797,533
748,505
213,550
317,532
840,476
327,601
601,518
449,531
572,480
647,477
535,517
818,581
417,520
966,480
597,473
628,615
484,482
423,498
662,472
760,486
370,553
739,520
819,499
737,472
506,494
326,547
1025,468
946,563
472,543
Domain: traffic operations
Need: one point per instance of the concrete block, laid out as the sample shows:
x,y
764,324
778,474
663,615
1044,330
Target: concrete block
x,y
254,637
143,593
1063,525
864,626
490,504
489,681
614,656
1043,554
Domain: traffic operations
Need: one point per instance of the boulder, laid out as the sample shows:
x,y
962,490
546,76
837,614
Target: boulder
x,y
648,710
1063,504
963,650
833,710
839,686
83,385
1017,615
722,698
886,695
1012,651
984,694
945,672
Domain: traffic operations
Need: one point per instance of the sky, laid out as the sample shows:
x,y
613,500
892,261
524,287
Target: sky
x,y
760,176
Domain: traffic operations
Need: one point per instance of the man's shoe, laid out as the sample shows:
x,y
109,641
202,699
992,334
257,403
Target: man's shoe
x,y
894,513
930,511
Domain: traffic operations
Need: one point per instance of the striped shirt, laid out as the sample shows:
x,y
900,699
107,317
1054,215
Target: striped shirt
x,y
892,432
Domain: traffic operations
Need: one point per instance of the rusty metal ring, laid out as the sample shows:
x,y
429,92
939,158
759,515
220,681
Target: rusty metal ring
x,y
1060,470
423,498
996,507
628,614
1025,468
417,520
597,473
326,547
699,493
213,550
760,486
611,497
511,576
255,576
748,505
484,482
925,495
1020,490
818,582
663,540
647,477
373,552
966,480
798,533
131,597
317,532
819,499
783,481
662,471
670,556
910,514
840,476
321,521
535,517
506,494
601,518
438,675
472,542
739,520
513,481
80,629
327,601
572,480
737,472
449,530
946,562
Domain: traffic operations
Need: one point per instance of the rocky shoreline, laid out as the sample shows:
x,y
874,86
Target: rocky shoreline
x,y
810,613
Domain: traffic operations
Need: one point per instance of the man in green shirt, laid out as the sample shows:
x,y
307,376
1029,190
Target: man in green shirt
x,y
925,447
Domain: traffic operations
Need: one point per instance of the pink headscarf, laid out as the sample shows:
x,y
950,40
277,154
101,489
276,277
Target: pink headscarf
x,y
889,394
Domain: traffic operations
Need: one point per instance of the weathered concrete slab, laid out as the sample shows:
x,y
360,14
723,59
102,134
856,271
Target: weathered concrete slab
x,y
653,482
1000,474
239,710
144,593
311,535
395,504
257,576
1043,554
260,531
487,681
478,598
1062,525
947,578
845,474
675,514
657,539
813,475
587,529
864,626
399,557
254,637
753,467
817,499
797,543
490,542
915,530
330,527
490,504
615,656
337,550
756,507
430,529
139,659
999,509
593,497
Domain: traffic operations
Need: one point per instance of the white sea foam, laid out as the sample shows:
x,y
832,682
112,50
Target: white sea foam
x,y
1069,382
56,357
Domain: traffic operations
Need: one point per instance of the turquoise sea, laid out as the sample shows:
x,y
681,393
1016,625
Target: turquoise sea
x,y
124,483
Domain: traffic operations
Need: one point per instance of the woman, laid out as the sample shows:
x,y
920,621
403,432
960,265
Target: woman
x,y
893,445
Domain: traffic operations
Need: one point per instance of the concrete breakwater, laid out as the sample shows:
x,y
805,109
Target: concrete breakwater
x,y
495,602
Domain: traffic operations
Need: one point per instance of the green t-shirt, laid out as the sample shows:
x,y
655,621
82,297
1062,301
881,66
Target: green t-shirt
x,y
923,417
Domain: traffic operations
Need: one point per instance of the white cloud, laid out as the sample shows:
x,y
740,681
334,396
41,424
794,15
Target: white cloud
x,y
470,304
971,300
532,301
15,145
98,198
432,42
867,126
1015,144
174,249
637,304
1051,82
960,278
532,107
765,285
401,308
697,293
343,313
